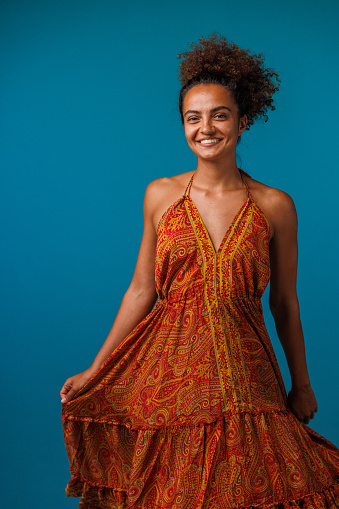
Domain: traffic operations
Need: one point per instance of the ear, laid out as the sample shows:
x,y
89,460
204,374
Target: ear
x,y
242,125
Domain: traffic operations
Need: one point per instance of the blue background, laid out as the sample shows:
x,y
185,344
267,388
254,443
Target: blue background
x,y
88,118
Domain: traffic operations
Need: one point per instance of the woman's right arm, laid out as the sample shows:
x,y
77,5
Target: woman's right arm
x,y
138,301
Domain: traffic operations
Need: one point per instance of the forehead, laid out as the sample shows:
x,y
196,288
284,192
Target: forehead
x,y
205,97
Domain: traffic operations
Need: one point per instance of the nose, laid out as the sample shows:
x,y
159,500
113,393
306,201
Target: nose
x,y
207,126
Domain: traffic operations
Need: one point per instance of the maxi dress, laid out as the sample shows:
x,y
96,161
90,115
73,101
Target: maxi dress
x,y
189,412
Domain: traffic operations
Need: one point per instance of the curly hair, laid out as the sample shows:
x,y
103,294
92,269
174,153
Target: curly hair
x,y
214,60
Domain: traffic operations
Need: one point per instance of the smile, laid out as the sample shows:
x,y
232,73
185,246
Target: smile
x,y
208,142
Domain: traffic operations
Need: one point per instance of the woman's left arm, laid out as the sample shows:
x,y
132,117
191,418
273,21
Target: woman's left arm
x,y
284,304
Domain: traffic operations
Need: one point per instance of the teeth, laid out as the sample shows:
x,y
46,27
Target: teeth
x,y
209,142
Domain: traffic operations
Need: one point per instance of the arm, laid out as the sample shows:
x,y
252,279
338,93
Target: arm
x,y
285,307
137,302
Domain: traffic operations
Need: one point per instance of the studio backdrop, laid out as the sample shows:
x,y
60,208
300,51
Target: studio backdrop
x,y
89,117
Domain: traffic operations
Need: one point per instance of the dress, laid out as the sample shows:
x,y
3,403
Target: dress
x,y
189,412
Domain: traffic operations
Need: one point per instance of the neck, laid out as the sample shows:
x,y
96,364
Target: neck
x,y
217,174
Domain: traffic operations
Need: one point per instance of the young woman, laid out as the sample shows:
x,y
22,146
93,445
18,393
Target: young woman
x,y
190,409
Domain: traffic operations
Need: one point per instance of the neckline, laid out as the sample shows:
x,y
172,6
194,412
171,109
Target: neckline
x,y
233,222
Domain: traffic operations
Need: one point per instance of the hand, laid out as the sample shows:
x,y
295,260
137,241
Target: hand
x,y
73,385
301,401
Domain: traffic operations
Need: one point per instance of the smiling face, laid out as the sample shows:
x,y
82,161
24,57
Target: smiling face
x,y
211,122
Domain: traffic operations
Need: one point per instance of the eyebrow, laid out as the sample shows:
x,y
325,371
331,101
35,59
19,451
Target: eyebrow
x,y
212,111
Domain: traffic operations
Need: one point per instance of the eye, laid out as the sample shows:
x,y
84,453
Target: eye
x,y
192,119
220,115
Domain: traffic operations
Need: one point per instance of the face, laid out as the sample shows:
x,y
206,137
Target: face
x,y
211,122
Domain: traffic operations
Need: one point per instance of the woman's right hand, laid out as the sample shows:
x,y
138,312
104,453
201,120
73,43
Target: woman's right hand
x,y
73,385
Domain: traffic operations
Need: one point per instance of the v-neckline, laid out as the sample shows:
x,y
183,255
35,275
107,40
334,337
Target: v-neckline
x,y
229,229
232,224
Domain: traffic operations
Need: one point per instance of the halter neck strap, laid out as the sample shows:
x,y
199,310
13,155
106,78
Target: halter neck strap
x,y
242,173
189,185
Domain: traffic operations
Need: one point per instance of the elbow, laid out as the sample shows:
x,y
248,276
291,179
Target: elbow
x,y
275,303
142,293
282,307
274,308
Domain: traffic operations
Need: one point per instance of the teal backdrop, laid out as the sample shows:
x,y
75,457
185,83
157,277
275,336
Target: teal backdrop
x,y
88,96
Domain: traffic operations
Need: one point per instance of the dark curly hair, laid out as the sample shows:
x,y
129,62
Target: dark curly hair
x,y
214,60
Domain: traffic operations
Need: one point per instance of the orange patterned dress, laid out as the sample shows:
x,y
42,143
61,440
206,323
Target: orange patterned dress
x,y
189,412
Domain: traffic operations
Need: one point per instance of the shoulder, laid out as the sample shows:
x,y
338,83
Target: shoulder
x,y
277,206
164,185
163,192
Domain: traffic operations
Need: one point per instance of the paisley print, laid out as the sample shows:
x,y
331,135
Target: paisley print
x,y
189,412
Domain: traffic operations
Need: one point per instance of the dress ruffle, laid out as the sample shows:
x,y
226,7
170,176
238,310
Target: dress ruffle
x,y
265,460
105,498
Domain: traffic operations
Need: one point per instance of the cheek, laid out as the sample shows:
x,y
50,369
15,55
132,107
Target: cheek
x,y
190,137
189,134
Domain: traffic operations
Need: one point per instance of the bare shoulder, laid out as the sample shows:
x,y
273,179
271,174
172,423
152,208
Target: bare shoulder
x,y
163,192
277,206
165,185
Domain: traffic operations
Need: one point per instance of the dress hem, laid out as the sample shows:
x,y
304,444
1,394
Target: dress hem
x,y
331,489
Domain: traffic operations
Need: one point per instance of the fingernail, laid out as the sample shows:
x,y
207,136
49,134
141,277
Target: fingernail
x,y
63,400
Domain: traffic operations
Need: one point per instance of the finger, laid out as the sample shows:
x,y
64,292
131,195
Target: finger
x,y
67,397
312,415
67,392
63,392
65,389
299,416
306,420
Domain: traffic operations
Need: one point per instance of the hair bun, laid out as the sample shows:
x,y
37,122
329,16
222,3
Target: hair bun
x,y
215,60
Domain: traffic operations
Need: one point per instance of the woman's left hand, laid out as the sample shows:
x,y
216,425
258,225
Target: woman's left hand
x,y
302,402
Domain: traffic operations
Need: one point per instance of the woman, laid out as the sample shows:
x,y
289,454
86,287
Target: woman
x,y
190,410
